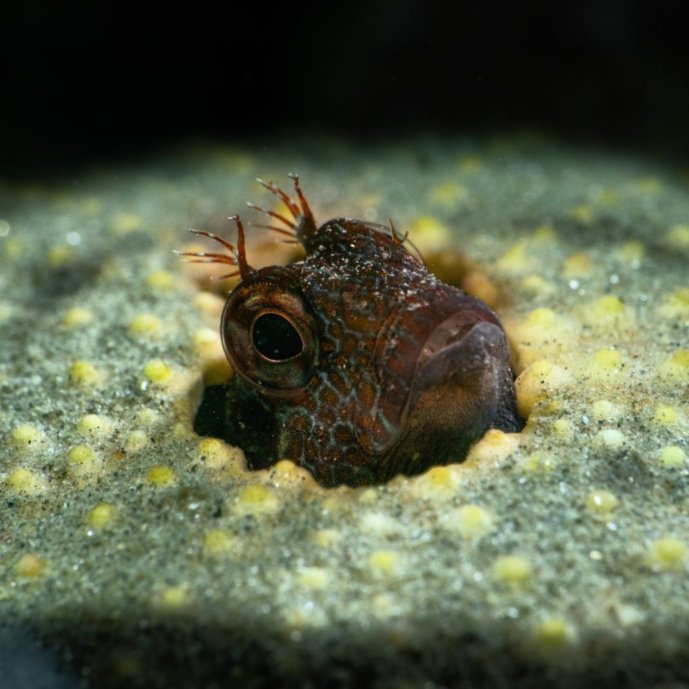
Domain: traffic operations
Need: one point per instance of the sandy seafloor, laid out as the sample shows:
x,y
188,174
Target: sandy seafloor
x,y
134,553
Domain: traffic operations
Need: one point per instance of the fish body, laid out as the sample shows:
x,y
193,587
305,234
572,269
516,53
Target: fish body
x,y
357,363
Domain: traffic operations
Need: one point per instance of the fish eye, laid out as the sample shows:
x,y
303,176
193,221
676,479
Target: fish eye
x,y
269,333
275,338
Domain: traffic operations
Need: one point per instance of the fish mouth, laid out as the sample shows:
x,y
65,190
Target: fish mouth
x,y
432,362
458,350
461,375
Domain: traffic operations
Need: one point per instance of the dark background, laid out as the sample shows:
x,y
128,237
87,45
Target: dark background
x,y
85,81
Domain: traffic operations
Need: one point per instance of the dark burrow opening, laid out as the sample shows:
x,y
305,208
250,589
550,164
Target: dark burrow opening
x,y
249,426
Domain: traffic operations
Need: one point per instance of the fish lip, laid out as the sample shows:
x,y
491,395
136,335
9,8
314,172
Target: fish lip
x,y
457,350
446,336
455,369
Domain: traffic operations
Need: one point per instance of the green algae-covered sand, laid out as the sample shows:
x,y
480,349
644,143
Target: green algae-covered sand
x,y
140,554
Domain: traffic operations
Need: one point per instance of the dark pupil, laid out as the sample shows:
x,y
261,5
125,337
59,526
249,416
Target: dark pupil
x,y
276,338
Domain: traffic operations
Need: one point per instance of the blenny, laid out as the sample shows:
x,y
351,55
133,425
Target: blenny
x,y
356,362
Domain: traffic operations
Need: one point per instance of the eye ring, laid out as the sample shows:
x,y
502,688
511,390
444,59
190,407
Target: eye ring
x,y
269,333
291,340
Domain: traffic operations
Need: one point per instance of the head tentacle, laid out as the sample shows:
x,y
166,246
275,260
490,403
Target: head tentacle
x,y
272,214
304,224
236,256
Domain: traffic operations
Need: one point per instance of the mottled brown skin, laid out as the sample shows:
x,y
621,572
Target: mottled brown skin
x,y
392,371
